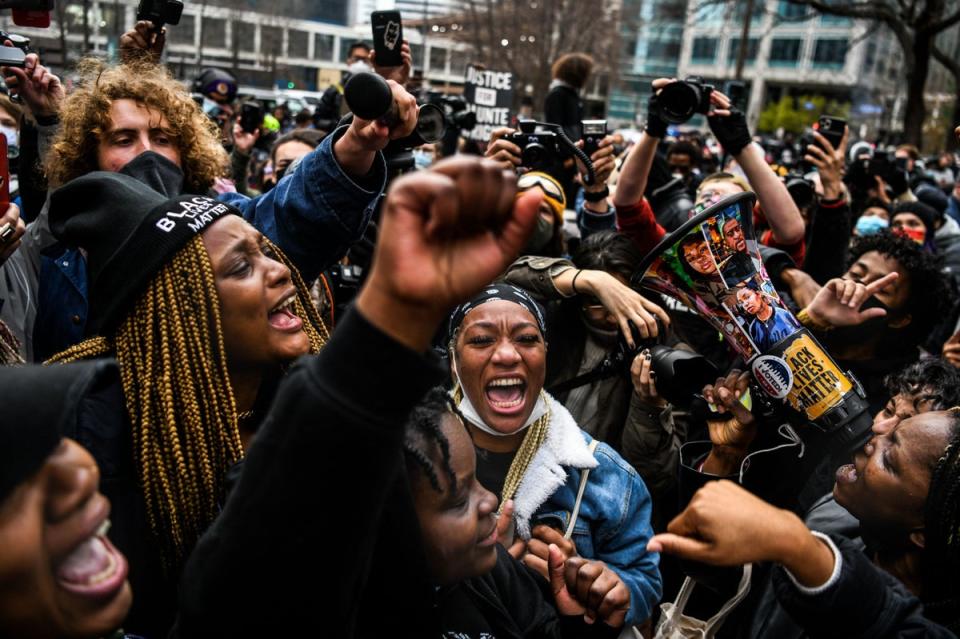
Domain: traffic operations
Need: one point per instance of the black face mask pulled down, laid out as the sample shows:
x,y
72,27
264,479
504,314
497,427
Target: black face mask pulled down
x,y
157,172
873,331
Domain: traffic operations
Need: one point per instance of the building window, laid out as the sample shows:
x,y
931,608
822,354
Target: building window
x,y
323,46
709,13
438,60
271,41
458,62
214,32
756,15
704,50
791,12
830,53
871,55
243,33
297,43
181,33
753,44
784,52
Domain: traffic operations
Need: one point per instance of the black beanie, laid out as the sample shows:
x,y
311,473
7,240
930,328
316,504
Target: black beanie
x,y
129,231
927,214
932,197
39,403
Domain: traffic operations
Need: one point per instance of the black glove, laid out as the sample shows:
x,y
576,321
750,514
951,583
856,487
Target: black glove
x,y
656,127
731,131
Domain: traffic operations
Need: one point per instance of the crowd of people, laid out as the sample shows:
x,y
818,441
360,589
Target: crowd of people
x,y
263,383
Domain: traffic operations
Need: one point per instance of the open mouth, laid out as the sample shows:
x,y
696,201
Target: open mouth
x,y
506,395
95,568
283,318
847,474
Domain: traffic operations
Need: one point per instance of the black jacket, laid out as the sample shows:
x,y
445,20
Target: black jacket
x,y
322,500
866,602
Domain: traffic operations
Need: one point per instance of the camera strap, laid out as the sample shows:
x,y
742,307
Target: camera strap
x,y
604,370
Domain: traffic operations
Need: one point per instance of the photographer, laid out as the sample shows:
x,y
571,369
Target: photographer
x,y
594,213
730,128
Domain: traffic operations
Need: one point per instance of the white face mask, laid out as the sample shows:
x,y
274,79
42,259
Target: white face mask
x,y
471,415
359,67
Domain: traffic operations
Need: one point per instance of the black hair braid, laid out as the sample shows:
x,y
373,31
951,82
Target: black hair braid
x,y
423,434
941,589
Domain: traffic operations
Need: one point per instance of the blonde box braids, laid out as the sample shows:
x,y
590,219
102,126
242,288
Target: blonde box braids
x,y
177,390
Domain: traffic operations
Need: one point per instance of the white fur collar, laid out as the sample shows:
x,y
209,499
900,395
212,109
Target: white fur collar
x,y
564,446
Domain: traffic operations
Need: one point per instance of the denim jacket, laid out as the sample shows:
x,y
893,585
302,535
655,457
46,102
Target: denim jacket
x,y
614,521
313,215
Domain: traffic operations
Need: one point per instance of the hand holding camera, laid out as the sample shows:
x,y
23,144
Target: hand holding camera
x,y
398,73
603,160
39,89
141,41
502,150
829,162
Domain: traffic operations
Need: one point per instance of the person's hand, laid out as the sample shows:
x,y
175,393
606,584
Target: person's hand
x,y
881,188
587,588
645,380
514,544
10,241
141,41
399,74
803,288
624,303
603,164
725,525
445,233
243,142
838,303
40,90
728,125
538,548
829,162
726,393
506,153
951,350
374,135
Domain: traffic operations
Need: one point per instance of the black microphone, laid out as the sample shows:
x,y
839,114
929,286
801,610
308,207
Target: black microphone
x,y
368,96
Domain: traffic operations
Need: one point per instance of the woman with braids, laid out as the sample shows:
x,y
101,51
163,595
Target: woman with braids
x,y
202,314
532,454
902,488
481,590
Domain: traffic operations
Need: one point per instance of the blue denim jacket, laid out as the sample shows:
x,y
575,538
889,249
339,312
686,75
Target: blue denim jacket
x,y
613,525
614,521
313,215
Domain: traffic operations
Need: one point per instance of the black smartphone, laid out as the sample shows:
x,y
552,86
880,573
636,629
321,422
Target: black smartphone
x,y
387,37
160,12
251,116
11,57
592,131
832,128
736,90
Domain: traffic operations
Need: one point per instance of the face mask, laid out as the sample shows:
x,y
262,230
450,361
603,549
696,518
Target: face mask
x,y
13,140
422,159
157,172
917,235
359,67
871,224
541,235
471,415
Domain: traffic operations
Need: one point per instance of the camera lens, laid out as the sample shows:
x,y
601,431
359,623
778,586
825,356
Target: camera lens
x,y
678,102
533,155
431,123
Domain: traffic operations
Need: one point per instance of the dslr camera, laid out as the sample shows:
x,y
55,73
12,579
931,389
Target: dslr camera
x,y
544,146
681,100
